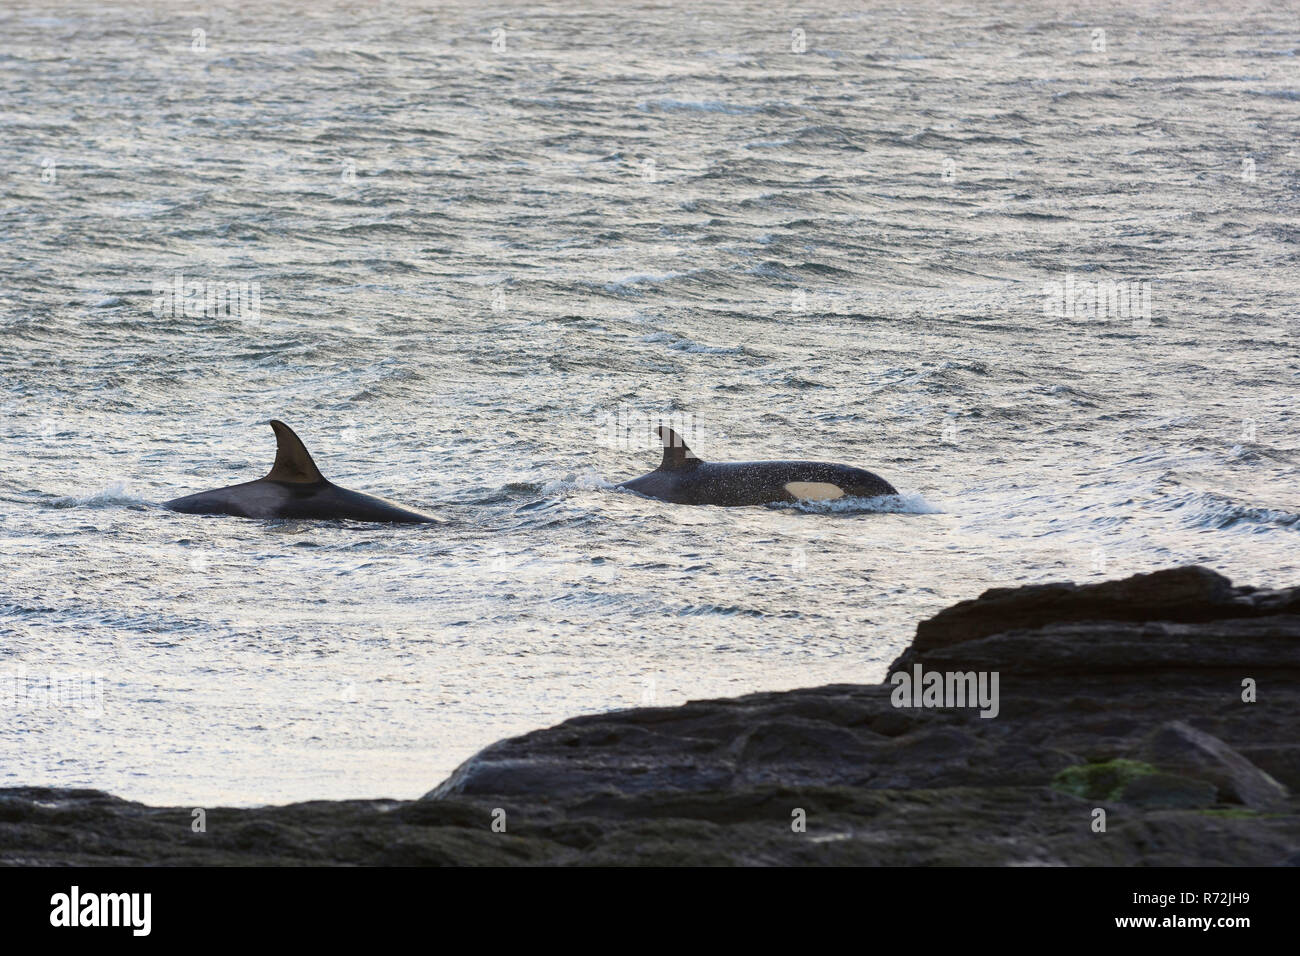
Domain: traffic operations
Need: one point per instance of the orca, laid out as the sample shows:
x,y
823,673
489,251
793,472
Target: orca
x,y
294,488
681,478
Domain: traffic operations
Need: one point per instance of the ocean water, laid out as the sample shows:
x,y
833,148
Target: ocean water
x,y
483,248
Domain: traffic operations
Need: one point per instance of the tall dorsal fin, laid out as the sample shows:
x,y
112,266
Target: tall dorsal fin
x,y
676,454
292,460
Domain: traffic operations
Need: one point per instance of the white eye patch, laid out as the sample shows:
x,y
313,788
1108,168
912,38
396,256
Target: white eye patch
x,y
814,490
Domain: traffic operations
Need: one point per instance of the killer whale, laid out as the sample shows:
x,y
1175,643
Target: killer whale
x,y
681,478
294,488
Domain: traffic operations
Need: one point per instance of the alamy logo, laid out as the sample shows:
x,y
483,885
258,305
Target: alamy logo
x,y
179,297
70,690
632,428
1099,301
946,689
102,909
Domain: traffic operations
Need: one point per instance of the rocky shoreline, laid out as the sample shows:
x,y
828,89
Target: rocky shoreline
x,y
1168,702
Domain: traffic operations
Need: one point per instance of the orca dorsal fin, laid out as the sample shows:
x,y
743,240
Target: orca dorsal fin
x,y
676,455
292,460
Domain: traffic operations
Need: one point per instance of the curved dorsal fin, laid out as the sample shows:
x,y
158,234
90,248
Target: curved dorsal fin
x,y
292,460
676,454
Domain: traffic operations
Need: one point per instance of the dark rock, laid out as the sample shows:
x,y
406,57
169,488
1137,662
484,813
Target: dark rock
x,y
1235,648
1191,595
1168,790
1183,748
1281,761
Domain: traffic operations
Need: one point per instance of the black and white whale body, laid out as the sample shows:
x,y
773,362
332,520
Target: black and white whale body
x,y
684,479
294,488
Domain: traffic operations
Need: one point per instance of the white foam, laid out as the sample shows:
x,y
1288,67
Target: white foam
x,y
113,495
587,481
911,503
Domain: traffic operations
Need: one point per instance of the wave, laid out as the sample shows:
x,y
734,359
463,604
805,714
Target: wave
x,y
1217,513
669,105
681,344
114,495
587,481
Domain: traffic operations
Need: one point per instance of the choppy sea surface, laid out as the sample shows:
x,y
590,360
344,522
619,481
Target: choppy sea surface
x,y
490,245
